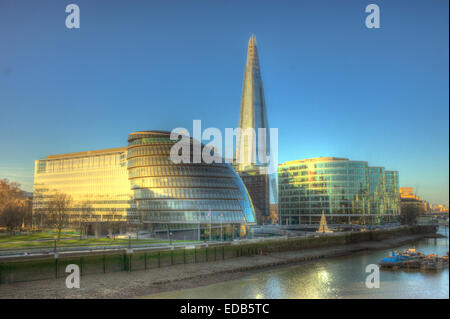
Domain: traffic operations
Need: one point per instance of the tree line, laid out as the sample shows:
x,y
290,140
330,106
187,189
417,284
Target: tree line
x,y
15,207
52,210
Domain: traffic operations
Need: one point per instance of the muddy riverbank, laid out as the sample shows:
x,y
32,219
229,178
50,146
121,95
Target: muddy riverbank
x,y
143,283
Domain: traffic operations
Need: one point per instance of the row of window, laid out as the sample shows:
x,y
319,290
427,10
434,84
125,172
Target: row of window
x,y
344,171
150,150
310,188
169,204
336,210
327,178
312,166
151,140
150,182
180,170
187,193
205,217
62,165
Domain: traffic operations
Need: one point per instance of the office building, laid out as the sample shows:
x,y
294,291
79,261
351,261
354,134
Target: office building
x,y
139,187
347,192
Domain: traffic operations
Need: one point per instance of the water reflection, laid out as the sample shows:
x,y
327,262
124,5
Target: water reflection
x,y
342,277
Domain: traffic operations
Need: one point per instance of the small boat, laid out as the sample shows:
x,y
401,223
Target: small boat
x,y
412,259
412,253
433,264
393,261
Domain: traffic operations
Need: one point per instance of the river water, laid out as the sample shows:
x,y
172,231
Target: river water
x,y
342,277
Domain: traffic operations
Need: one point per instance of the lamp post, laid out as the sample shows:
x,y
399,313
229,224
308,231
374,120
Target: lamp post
x,y
210,221
129,241
54,248
221,226
170,235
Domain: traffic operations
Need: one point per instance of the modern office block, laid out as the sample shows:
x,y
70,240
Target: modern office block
x,y
140,187
345,191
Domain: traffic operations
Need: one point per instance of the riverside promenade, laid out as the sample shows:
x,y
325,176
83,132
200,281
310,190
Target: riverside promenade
x,y
143,283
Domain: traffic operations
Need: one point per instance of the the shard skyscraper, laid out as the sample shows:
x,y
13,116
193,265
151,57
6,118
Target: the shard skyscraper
x,y
253,114
250,155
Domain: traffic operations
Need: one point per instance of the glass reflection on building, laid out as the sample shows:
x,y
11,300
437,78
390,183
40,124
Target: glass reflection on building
x,y
346,191
191,197
140,186
97,182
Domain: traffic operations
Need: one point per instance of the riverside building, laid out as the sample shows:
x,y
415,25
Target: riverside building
x,y
345,191
138,186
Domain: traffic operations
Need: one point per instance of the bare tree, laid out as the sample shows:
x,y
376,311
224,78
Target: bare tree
x,y
13,205
11,215
111,223
27,210
57,210
39,207
86,211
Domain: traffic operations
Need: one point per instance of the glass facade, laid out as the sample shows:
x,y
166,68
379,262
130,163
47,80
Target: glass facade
x,y
140,185
253,113
393,192
257,184
253,116
96,179
377,190
346,191
184,193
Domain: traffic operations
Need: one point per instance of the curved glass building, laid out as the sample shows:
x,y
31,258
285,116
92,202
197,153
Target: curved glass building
x,y
138,186
345,191
184,196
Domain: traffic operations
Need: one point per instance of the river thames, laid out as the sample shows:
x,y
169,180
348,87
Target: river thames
x,y
342,277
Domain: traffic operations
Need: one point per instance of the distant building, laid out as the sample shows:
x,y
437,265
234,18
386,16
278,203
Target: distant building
x,y
139,185
407,192
345,191
410,199
253,115
439,208
274,213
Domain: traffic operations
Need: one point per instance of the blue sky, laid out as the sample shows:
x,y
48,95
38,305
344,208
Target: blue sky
x,y
333,87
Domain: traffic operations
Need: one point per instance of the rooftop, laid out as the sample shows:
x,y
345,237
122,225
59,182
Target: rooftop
x,y
87,153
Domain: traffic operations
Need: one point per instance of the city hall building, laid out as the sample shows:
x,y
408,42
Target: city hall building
x,y
345,191
138,186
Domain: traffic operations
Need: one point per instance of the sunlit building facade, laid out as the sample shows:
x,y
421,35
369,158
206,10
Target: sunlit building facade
x,y
188,197
377,190
345,191
139,186
97,182
439,208
393,192
410,200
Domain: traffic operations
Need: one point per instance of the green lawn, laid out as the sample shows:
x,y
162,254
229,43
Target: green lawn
x,y
34,236
46,240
